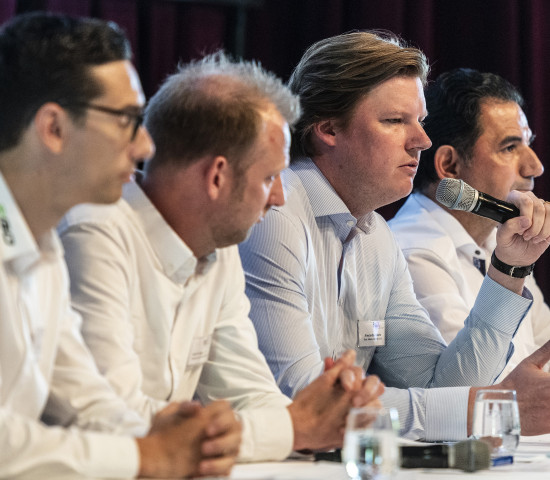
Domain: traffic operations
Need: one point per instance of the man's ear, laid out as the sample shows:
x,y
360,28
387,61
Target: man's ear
x,y
51,122
447,162
217,175
325,132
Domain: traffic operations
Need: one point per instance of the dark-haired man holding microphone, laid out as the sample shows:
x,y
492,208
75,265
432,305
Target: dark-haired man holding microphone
x,y
479,134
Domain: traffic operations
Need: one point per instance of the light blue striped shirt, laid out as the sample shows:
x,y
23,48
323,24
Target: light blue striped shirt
x,y
305,307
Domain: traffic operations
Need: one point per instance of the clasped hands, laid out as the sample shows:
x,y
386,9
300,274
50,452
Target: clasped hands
x,y
319,411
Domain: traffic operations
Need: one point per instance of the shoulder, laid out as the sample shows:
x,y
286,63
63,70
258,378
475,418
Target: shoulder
x,y
415,227
116,214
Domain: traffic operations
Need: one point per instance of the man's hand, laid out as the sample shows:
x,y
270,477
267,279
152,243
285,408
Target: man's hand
x,y
532,385
189,440
522,240
365,389
319,411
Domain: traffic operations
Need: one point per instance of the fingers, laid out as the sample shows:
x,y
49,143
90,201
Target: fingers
x,y
371,389
185,409
541,356
351,379
534,220
216,467
223,419
224,445
347,360
329,363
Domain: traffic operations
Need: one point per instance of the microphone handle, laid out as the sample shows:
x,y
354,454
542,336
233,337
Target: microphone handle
x,y
432,456
494,209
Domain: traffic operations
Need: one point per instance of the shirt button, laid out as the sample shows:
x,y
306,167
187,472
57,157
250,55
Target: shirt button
x,y
350,223
478,252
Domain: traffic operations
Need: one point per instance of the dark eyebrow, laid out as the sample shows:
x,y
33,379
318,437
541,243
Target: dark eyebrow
x,y
515,139
510,139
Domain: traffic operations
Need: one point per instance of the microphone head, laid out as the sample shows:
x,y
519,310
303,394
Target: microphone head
x,y
471,455
456,194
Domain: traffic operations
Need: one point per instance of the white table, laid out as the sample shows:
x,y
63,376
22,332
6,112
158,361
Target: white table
x,y
532,457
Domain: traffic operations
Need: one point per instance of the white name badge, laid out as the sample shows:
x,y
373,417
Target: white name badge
x,y
200,348
371,333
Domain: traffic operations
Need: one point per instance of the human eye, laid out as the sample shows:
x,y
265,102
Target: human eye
x,y
394,120
510,148
125,119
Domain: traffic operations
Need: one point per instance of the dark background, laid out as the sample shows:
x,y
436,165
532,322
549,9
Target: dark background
x,y
508,37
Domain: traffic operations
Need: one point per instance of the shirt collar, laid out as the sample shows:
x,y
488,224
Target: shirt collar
x,y
18,248
458,234
177,260
325,202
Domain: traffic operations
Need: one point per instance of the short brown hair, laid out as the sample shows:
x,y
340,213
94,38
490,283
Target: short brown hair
x,y
214,107
335,73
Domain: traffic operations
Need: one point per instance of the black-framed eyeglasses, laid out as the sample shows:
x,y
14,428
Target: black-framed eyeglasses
x,y
125,116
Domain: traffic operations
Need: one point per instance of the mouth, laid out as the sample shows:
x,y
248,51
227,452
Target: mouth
x,y
411,167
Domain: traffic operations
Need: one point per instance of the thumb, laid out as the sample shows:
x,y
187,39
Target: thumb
x,y
187,409
541,356
515,225
329,363
345,361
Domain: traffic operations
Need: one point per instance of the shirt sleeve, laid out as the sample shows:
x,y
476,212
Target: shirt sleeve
x,y
29,446
237,371
100,288
80,395
540,315
274,259
416,356
442,299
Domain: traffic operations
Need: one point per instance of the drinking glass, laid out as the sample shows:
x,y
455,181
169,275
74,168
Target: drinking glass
x,y
496,421
370,444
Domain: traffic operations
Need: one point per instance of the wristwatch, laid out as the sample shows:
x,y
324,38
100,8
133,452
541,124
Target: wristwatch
x,y
512,271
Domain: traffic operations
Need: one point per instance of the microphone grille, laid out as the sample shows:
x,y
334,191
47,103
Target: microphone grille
x,y
456,194
472,455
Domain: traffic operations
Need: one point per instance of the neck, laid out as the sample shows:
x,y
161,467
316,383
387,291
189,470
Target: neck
x,y
358,205
170,192
34,196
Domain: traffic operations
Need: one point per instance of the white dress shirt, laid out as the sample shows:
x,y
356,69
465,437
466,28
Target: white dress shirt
x,y
307,305
163,326
442,259
42,356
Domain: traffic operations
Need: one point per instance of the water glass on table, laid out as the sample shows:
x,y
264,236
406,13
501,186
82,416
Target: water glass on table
x,y
496,421
370,444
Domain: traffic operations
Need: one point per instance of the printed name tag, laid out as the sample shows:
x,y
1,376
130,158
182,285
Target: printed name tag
x,y
199,350
371,333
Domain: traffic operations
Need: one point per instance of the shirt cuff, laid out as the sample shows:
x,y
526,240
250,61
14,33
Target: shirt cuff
x,y
496,303
268,434
446,413
112,456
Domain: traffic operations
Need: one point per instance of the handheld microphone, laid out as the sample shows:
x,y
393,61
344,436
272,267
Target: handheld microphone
x,y
468,455
458,195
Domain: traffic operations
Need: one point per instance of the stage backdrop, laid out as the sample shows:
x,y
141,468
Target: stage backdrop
x,y
508,37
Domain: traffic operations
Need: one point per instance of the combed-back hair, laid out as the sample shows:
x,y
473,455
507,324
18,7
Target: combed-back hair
x,y
47,58
454,104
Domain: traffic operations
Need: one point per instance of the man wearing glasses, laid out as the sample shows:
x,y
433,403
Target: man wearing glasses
x,y
70,116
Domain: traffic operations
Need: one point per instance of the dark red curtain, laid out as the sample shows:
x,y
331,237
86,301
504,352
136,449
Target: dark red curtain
x,y
507,37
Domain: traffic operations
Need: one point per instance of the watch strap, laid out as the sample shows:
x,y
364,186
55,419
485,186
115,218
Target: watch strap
x,y
510,270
